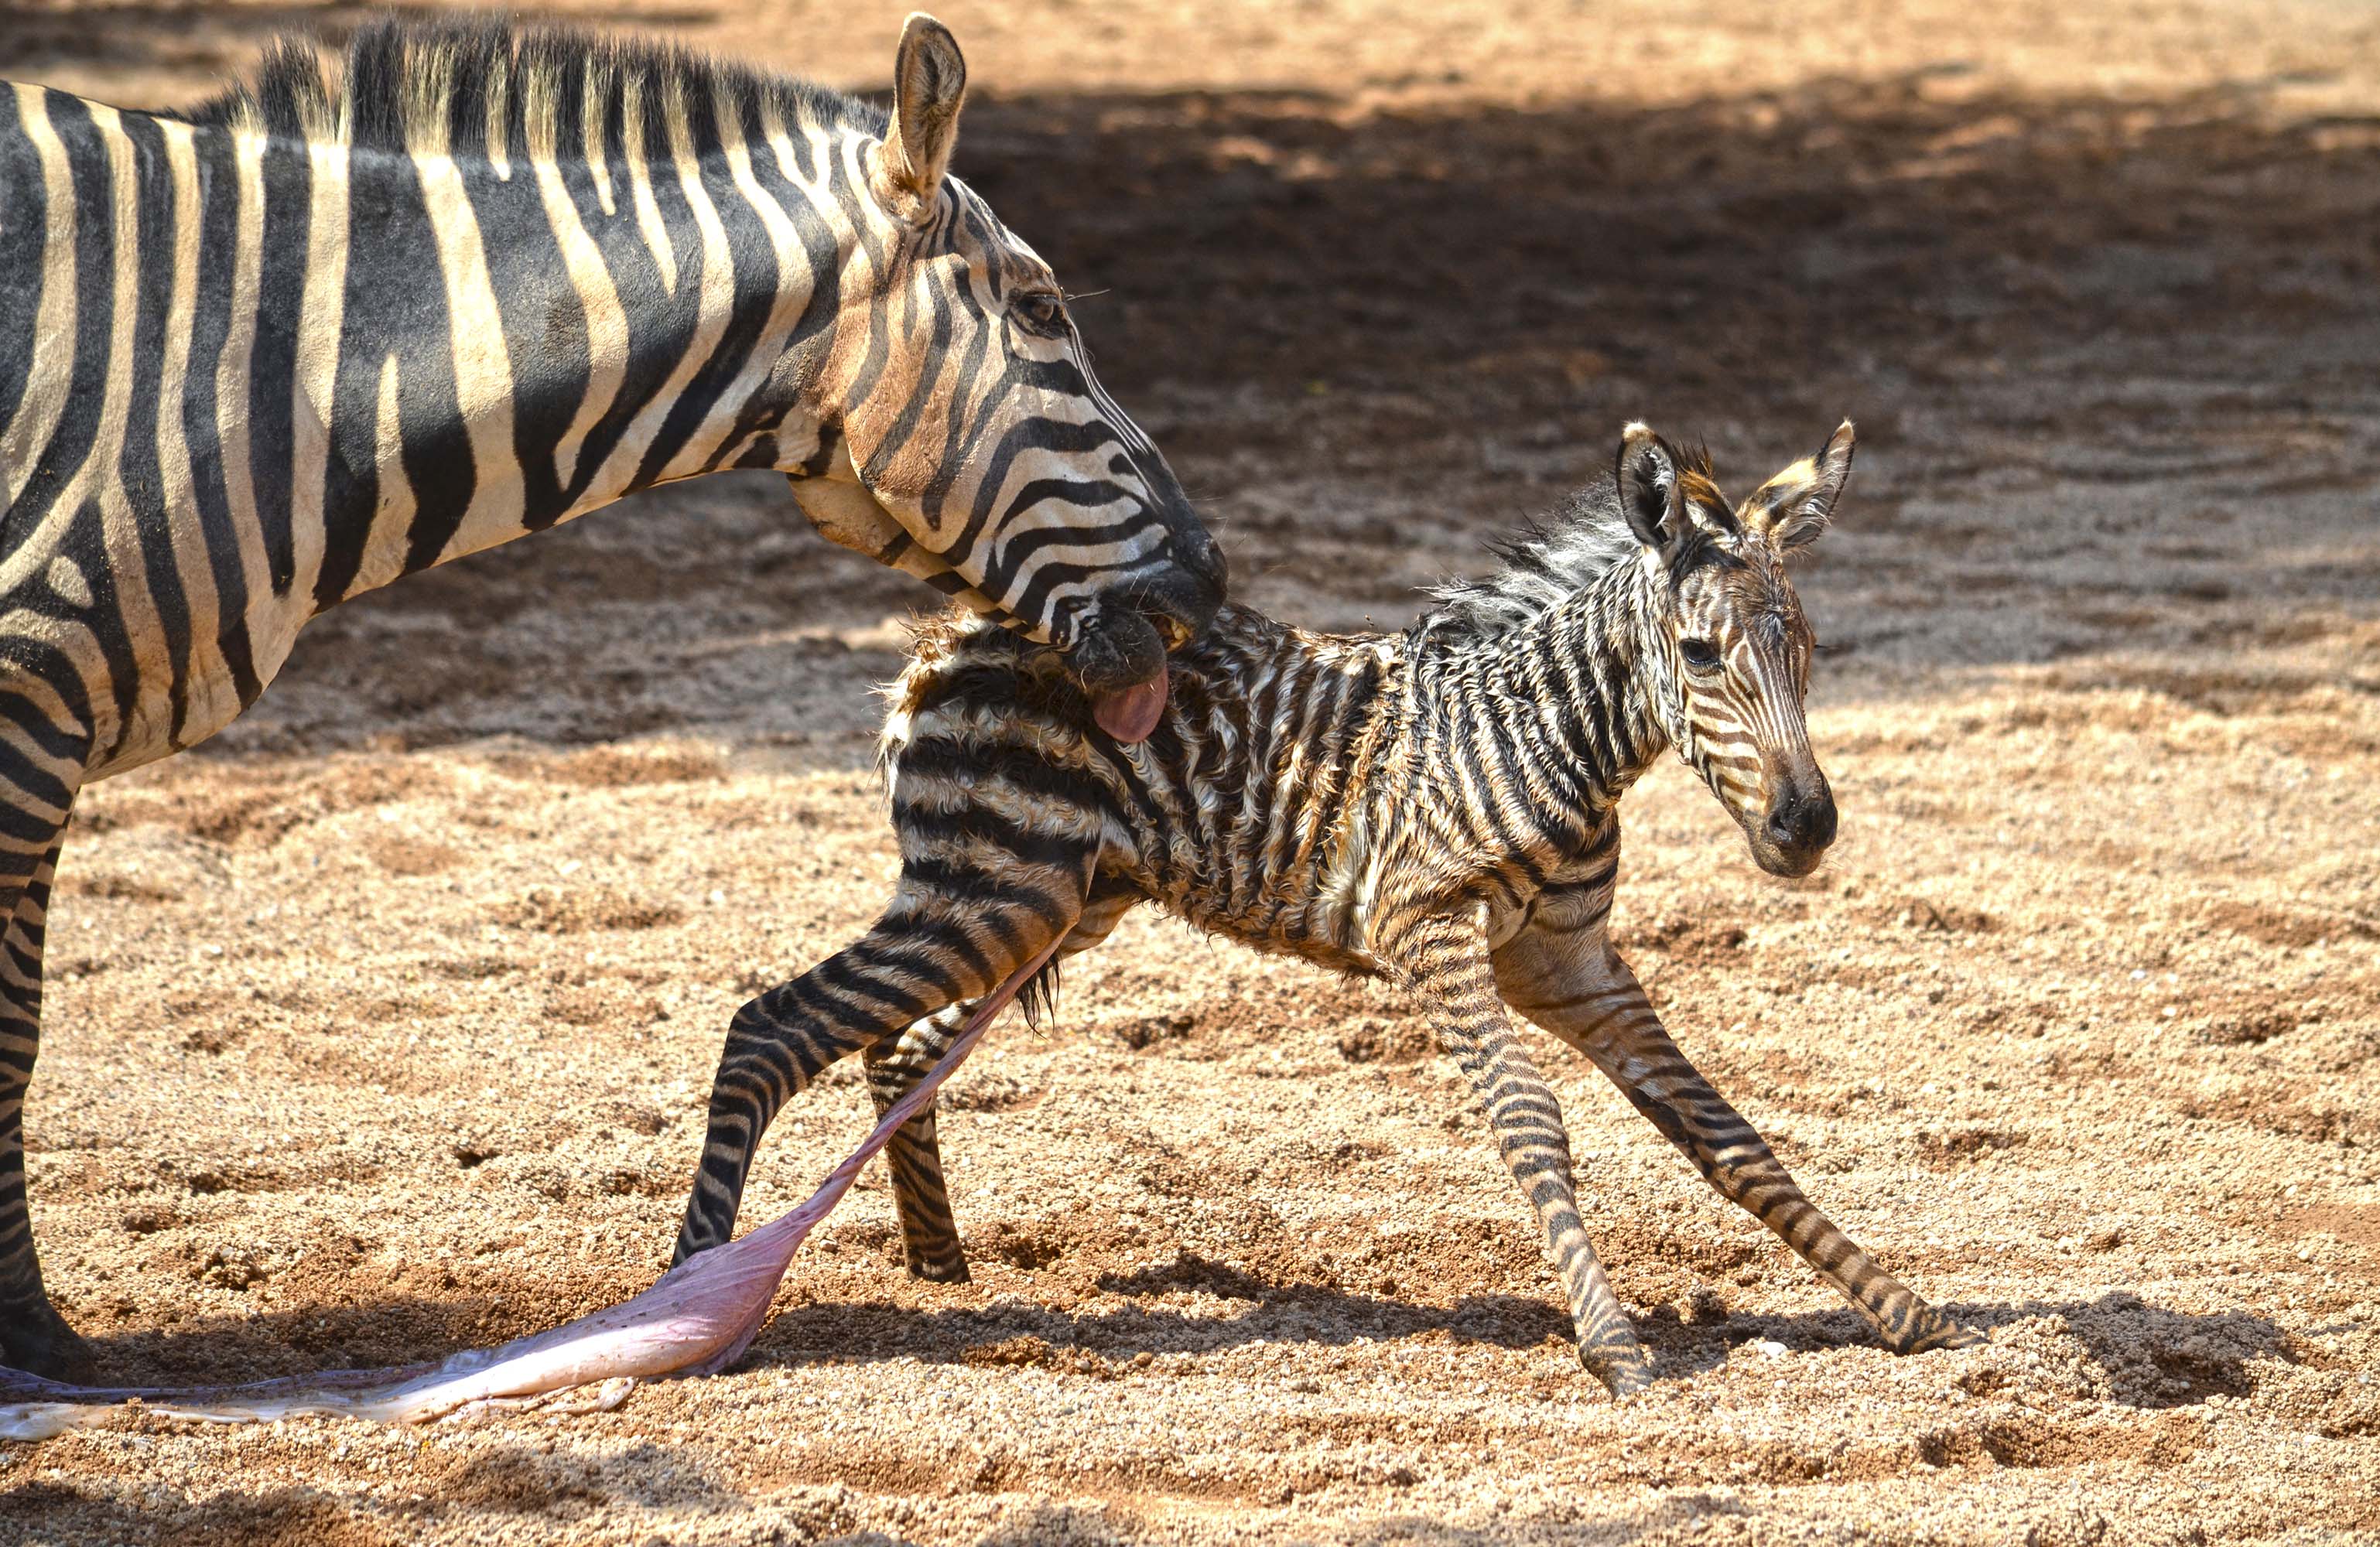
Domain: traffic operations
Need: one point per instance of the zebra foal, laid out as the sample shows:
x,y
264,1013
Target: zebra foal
x,y
1436,807
307,339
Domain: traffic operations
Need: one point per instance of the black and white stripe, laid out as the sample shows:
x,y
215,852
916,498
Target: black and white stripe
x,y
262,357
1437,808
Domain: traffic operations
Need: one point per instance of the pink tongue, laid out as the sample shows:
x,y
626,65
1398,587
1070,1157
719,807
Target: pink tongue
x,y
1131,715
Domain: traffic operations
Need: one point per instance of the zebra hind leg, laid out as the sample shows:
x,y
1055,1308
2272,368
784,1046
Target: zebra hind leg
x,y
930,1231
939,944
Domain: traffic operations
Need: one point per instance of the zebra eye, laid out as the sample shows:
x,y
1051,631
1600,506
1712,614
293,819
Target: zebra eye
x,y
1699,654
1041,310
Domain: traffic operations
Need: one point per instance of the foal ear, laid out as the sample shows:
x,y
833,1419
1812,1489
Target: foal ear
x,y
1792,508
928,87
1650,494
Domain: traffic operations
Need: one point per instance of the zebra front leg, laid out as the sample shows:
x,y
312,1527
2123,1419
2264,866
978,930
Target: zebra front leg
x,y
1446,963
1570,981
929,1232
935,946
33,1336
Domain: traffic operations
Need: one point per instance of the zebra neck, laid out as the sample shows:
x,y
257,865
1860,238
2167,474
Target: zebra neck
x,y
1562,701
511,348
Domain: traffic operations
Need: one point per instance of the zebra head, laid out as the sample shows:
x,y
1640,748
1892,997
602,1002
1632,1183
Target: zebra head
x,y
1726,656
983,456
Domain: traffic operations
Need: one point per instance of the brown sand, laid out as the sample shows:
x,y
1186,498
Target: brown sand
x,y
381,1026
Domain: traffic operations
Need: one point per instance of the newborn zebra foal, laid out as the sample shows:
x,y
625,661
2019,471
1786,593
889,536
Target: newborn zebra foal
x,y
1436,807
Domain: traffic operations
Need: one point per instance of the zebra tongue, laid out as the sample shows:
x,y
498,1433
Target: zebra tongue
x,y
1130,714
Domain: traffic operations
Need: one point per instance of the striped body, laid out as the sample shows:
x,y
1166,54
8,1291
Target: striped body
x,y
263,356
1437,808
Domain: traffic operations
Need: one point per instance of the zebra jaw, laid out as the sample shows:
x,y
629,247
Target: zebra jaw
x,y
843,511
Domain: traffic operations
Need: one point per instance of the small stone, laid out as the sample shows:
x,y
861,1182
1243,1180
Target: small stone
x,y
1770,1349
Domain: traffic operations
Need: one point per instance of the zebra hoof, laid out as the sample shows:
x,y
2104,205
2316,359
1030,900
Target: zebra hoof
x,y
40,1343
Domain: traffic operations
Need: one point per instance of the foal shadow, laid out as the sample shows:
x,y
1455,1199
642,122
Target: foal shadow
x,y
2149,1356
1015,1330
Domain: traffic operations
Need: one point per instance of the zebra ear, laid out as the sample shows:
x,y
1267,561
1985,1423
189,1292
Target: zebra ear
x,y
928,86
1792,508
1647,473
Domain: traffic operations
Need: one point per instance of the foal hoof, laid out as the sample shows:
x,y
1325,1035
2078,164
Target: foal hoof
x,y
1622,1372
1934,1331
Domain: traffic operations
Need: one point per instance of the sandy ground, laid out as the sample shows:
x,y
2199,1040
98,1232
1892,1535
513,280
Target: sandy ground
x,y
381,1026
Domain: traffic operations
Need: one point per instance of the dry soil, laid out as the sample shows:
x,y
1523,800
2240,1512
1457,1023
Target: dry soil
x,y
381,1025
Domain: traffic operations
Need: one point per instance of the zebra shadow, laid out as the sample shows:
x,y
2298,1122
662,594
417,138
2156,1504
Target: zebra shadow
x,y
2139,1355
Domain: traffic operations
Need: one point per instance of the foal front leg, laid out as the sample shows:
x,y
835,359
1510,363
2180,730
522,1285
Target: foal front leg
x,y
1561,972
1445,963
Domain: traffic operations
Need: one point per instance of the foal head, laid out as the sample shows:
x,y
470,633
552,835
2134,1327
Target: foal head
x,y
1725,652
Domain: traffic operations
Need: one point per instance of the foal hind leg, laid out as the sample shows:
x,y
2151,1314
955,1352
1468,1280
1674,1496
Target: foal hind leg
x,y
937,945
930,1231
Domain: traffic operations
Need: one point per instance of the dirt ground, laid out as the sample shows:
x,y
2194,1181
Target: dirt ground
x,y
381,1026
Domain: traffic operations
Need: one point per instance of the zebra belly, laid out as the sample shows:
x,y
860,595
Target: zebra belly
x,y
155,664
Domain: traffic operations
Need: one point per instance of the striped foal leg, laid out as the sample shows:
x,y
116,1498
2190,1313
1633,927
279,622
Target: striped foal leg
x,y
1445,962
930,1231
933,948
1570,982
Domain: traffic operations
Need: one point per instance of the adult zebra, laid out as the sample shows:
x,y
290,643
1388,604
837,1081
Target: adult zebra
x,y
264,355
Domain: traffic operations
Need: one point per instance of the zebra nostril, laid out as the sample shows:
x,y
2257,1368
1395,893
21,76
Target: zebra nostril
x,y
1801,821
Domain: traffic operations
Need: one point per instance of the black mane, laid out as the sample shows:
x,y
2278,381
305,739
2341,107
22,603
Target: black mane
x,y
400,78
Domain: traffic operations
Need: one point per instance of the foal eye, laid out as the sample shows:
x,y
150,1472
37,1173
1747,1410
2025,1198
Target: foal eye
x,y
1699,654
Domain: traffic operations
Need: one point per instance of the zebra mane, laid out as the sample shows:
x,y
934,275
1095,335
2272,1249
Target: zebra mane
x,y
483,85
